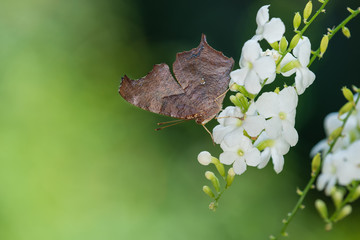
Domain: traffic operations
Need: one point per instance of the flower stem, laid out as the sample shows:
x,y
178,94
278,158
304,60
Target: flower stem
x,y
335,30
305,27
314,176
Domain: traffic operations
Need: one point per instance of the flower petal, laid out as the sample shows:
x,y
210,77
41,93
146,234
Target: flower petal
x,y
288,58
238,76
253,125
239,166
251,51
228,157
264,158
262,15
265,67
288,99
278,160
302,51
274,30
273,127
252,82
267,104
290,134
252,157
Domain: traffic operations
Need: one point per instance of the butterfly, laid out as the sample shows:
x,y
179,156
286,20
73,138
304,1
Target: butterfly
x,y
201,80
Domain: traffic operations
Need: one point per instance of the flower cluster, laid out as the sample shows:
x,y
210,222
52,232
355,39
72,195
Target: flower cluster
x,y
342,164
260,127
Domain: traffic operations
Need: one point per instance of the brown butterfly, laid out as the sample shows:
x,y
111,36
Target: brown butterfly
x,y
202,79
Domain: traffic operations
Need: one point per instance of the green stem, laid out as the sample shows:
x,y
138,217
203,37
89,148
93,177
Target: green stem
x,y
332,32
305,27
314,176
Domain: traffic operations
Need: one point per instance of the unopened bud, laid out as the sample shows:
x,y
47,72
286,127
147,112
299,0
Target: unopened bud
x,y
321,208
283,44
324,44
347,94
275,45
346,108
230,177
346,32
336,133
264,144
235,101
204,158
297,21
337,197
344,212
208,191
290,65
214,180
294,41
356,194
355,88
307,11
213,206
315,164
243,102
221,170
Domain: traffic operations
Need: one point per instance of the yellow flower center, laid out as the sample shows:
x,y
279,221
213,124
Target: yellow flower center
x,y
282,115
240,152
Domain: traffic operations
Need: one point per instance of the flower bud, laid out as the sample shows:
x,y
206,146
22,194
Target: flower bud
x,y
315,164
346,32
336,133
213,206
307,11
290,65
347,94
356,194
214,180
230,177
275,45
264,144
294,41
344,212
243,102
204,158
235,101
234,87
324,44
355,89
208,191
297,21
346,108
321,208
337,197
220,167
283,44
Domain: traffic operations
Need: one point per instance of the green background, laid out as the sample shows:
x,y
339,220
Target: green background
x,y
79,162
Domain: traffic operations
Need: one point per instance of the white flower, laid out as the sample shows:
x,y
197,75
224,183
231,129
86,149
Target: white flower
x,y
254,68
239,151
281,109
342,167
350,169
276,150
231,119
204,158
304,77
328,176
332,122
271,30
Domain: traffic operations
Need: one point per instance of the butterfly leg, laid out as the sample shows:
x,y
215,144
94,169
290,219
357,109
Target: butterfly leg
x,y
221,95
212,138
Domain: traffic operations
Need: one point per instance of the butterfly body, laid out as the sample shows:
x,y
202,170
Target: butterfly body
x,y
202,78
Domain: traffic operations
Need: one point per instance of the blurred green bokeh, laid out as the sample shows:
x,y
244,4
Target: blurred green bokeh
x,y
78,162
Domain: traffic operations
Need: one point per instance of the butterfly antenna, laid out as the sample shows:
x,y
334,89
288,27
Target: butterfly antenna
x,y
175,123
